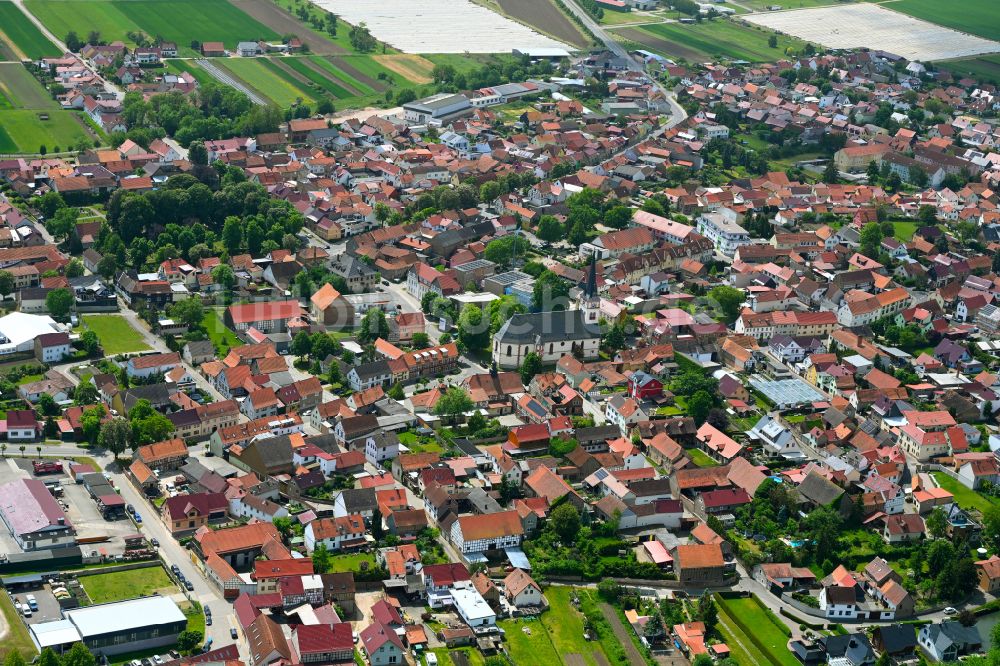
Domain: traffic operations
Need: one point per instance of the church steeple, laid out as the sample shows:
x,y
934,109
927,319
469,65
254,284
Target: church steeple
x,y
591,289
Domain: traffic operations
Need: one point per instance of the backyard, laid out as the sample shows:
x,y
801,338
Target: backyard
x,y
557,637
115,333
352,562
752,634
130,584
700,458
966,497
221,336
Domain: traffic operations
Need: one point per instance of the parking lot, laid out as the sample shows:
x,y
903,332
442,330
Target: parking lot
x,y
80,508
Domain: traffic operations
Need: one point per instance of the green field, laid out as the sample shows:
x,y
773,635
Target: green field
x,y
977,17
180,21
528,642
115,334
565,628
130,584
983,68
754,633
22,131
700,458
23,35
18,639
903,231
351,562
966,497
260,75
710,40
222,337
22,90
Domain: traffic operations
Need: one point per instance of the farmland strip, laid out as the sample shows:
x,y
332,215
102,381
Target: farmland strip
x,y
343,65
328,75
322,81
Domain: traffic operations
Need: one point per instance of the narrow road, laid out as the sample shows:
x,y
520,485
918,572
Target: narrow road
x,y
230,81
621,633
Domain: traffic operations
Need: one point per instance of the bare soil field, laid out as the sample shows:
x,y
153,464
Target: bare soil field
x,y
283,23
658,45
546,16
414,68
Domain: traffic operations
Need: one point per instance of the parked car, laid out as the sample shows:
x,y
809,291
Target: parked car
x,y
26,611
950,611
157,659
208,620
176,570
155,542
232,633
138,519
188,586
130,508
32,602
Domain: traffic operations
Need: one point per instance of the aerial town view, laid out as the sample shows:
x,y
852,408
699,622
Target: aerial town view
x,y
499,332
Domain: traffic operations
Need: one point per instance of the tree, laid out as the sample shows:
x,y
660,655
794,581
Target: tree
x,y
187,640
729,300
373,326
707,611
90,342
473,330
530,366
6,283
301,344
189,311
73,42
79,655
85,394
115,436
991,525
420,341
59,302
549,228
873,172
565,521
396,392
197,153
550,293
503,250
224,276
454,401
90,424
831,173
149,429
699,405
871,239
47,405
772,42
937,523
378,530
927,214
232,234
321,559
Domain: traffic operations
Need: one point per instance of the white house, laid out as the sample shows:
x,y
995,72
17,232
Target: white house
x,y
381,446
480,533
471,606
722,229
776,439
336,533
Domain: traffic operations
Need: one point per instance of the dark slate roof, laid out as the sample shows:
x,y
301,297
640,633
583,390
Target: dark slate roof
x,y
542,327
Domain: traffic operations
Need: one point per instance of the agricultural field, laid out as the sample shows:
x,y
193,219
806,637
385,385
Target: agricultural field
x,y
180,21
983,68
720,38
861,25
30,119
763,5
22,90
21,37
977,17
115,334
544,16
431,26
268,79
279,19
413,68
119,585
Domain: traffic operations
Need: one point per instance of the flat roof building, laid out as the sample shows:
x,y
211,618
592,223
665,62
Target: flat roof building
x,y
115,628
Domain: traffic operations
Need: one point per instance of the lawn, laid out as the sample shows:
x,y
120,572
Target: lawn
x,y
221,336
262,77
528,642
966,497
18,638
711,40
472,656
417,444
617,18
24,131
351,562
23,35
903,231
700,458
115,333
129,584
195,616
564,625
978,17
760,633
180,21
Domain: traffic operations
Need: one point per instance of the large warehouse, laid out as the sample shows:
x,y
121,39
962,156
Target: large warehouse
x,y
18,331
33,517
114,628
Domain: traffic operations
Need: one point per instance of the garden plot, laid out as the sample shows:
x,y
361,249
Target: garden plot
x,y
863,25
438,26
